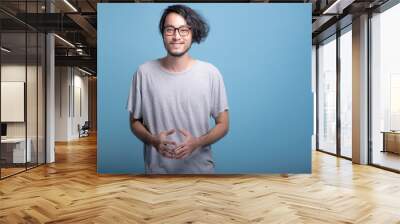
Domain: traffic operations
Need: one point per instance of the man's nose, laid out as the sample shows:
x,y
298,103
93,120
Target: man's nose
x,y
177,35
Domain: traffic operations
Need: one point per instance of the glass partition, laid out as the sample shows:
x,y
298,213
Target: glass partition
x,y
385,89
31,100
346,92
327,95
13,108
22,78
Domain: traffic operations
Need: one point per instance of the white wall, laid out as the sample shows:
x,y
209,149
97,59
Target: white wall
x,y
70,84
62,81
80,94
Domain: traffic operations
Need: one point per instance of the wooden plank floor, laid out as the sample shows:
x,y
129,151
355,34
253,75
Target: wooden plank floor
x,y
70,191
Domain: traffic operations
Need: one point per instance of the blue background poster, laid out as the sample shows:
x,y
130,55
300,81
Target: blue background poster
x,y
263,52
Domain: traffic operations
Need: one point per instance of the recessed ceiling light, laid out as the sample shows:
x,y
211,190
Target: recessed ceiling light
x,y
338,6
84,71
70,5
5,50
64,40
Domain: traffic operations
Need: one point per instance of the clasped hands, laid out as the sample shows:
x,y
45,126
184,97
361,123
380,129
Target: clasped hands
x,y
171,149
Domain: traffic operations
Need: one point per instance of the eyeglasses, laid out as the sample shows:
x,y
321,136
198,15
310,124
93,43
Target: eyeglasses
x,y
183,30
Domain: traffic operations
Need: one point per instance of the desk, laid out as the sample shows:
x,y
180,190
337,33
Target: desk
x,y
391,141
15,148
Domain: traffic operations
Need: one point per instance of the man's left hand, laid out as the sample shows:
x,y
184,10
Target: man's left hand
x,y
186,148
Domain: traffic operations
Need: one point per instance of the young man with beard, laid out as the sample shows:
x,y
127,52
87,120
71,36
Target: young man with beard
x,y
172,98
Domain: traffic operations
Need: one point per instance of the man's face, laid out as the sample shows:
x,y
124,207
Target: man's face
x,y
176,42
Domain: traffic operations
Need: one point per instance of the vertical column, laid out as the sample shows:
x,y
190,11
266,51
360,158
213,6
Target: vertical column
x,y
50,92
360,90
338,98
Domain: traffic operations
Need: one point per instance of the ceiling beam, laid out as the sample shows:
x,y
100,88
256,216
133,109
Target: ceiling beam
x,y
337,6
85,61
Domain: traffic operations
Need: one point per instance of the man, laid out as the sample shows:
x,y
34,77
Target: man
x,y
172,98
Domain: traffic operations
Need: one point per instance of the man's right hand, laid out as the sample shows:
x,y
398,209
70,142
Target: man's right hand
x,y
164,146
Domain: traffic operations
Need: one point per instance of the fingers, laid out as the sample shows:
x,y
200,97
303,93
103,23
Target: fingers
x,y
166,142
184,132
165,154
182,155
181,152
180,148
165,151
165,147
168,155
175,153
180,145
172,149
170,132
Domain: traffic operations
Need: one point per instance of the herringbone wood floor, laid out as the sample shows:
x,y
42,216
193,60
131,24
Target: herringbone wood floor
x,y
70,191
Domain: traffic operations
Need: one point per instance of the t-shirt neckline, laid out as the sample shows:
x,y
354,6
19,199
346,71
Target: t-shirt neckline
x,y
175,73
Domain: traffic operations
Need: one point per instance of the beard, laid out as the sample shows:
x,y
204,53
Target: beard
x,y
178,54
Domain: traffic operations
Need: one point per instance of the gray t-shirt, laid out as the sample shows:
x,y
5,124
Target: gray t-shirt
x,y
183,100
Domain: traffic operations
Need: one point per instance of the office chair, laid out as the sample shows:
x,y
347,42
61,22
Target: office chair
x,y
84,130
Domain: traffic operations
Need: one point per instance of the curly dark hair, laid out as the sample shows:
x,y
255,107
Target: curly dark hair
x,y
198,25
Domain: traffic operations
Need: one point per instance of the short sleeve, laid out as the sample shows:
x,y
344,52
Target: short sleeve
x,y
134,104
219,101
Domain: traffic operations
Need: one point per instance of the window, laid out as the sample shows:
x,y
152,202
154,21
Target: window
x,y
346,92
385,88
327,95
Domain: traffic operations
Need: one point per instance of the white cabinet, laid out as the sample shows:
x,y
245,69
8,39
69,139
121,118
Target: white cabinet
x,y
18,149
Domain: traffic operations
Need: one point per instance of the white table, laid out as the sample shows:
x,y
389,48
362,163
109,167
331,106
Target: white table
x,y
18,145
